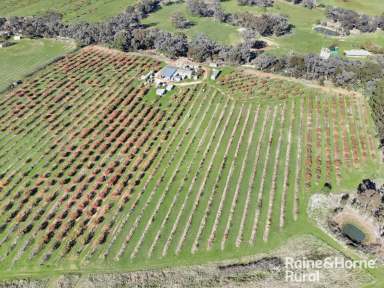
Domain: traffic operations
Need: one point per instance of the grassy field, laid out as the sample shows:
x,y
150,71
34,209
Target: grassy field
x,y
96,173
73,11
28,55
223,33
304,39
370,7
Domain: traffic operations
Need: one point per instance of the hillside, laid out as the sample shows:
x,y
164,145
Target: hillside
x,y
212,170
28,55
371,7
73,11
132,156
302,40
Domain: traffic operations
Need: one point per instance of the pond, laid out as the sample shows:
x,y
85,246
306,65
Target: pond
x,y
326,31
353,233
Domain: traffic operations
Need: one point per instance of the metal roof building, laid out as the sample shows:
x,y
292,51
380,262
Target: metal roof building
x,y
357,53
167,72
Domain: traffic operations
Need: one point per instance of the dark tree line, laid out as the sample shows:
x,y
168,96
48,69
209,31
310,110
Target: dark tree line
x,y
260,3
265,25
2,21
51,25
306,3
200,48
125,32
180,22
349,20
203,9
172,45
341,72
203,49
200,8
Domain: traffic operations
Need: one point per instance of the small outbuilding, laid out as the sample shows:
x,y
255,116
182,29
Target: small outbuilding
x,y
184,73
16,83
147,76
215,73
160,92
325,53
17,37
169,87
357,53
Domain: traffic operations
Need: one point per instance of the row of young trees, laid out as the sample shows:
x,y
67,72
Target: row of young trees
x,y
126,32
377,105
345,73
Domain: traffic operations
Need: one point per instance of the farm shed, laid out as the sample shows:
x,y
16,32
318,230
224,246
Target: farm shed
x,y
357,53
184,73
167,73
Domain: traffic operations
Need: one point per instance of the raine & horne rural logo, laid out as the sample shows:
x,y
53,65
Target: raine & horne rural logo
x,y
302,270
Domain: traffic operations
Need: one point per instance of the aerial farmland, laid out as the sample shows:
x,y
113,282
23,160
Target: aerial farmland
x,y
138,168
104,174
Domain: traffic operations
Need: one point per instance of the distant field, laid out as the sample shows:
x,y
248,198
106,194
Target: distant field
x,y
27,55
304,39
74,11
223,33
370,7
97,173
